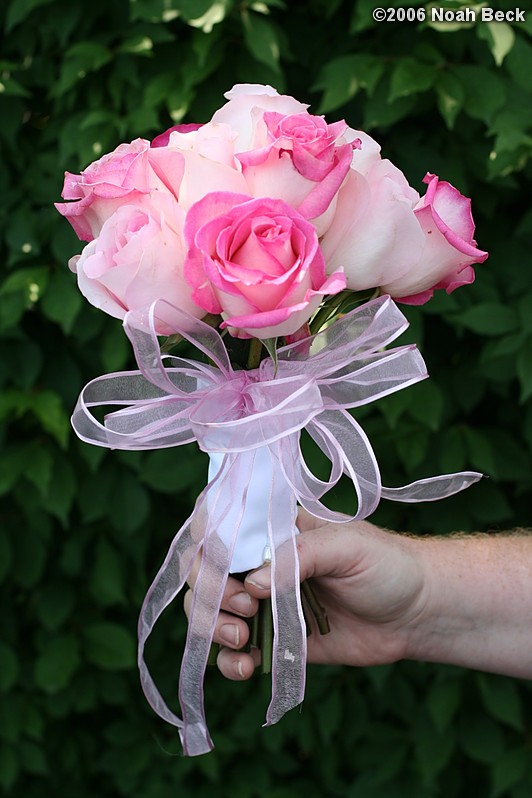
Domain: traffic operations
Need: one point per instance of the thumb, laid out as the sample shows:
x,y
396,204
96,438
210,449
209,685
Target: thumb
x,y
316,551
258,583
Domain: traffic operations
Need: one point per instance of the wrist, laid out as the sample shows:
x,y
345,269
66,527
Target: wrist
x,y
475,607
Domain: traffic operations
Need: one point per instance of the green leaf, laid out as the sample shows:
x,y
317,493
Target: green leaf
x,y
451,95
491,506
81,58
57,664
453,450
6,555
412,446
501,698
411,77
380,111
163,470
262,40
485,92
109,646
29,559
433,748
49,409
129,505
62,490
500,38
524,369
508,770
9,668
481,738
18,10
442,702
62,301
204,14
489,318
31,282
270,344
426,404
39,469
55,605
33,759
480,451
519,63
341,78
107,578
9,767
115,349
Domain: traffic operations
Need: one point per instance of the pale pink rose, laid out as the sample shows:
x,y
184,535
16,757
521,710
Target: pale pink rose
x,y
292,155
257,262
122,176
137,258
449,251
300,159
247,102
163,138
375,235
197,162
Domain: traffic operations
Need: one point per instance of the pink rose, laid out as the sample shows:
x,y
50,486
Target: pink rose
x,y
375,235
197,162
193,163
137,258
163,138
257,262
449,251
288,153
122,176
247,102
300,159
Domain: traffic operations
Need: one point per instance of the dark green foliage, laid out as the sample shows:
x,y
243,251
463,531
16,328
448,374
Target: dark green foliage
x,y
82,531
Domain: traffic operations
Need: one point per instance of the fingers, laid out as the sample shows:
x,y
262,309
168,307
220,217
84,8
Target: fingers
x,y
232,633
230,630
235,599
237,665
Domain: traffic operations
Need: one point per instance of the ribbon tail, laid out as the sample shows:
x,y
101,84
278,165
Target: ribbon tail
x,y
290,640
208,591
224,508
432,489
168,582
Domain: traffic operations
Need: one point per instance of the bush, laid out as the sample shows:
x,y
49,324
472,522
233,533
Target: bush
x,y
84,530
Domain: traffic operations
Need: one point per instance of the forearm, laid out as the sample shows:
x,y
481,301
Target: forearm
x,y
476,607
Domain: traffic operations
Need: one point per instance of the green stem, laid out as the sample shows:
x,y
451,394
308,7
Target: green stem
x,y
213,654
315,607
266,636
254,354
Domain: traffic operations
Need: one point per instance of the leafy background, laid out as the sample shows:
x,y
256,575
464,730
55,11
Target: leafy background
x,y
82,530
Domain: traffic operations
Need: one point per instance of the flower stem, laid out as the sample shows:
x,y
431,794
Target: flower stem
x,y
254,353
315,607
213,654
266,635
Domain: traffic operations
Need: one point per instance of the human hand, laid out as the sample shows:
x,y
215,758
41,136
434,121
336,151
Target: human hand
x,y
370,583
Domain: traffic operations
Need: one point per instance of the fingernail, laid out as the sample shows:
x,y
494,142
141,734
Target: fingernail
x,y
260,578
239,669
241,602
230,634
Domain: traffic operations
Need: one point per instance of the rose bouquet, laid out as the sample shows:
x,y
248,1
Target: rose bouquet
x,y
290,235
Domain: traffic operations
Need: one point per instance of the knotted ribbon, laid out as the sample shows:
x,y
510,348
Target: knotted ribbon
x,y
171,401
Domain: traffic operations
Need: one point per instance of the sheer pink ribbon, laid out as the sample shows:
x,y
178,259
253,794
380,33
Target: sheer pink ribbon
x,y
172,401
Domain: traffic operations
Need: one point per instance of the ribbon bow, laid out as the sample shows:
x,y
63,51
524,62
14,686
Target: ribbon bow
x,y
171,401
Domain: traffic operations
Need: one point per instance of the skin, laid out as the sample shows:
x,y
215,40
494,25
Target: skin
x,y
463,600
